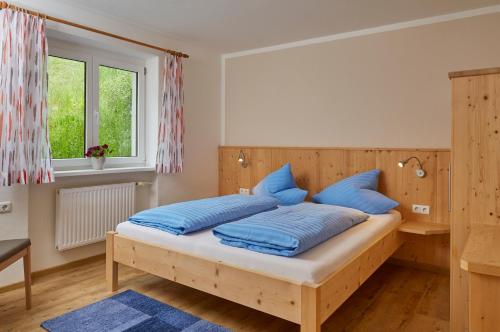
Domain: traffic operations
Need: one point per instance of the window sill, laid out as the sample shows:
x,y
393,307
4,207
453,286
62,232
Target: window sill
x,y
111,170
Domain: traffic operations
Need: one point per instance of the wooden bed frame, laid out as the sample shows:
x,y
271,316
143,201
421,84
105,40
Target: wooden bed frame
x,y
304,304
314,168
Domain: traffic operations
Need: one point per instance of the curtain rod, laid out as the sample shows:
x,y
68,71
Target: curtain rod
x,y
4,5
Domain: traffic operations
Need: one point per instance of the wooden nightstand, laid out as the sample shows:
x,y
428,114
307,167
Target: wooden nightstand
x,y
424,228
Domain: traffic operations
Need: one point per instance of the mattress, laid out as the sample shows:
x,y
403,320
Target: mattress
x,y
310,267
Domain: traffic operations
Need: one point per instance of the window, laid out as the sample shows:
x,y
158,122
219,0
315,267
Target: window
x,y
67,107
118,110
94,100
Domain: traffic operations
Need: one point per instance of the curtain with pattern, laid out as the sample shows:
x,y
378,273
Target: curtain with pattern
x,y
169,158
24,138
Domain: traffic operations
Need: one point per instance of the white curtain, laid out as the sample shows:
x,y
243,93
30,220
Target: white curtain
x,y
170,155
24,138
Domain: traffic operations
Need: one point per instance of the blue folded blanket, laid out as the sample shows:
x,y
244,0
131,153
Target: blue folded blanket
x,y
191,216
289,230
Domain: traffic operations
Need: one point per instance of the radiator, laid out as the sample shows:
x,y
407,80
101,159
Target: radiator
x,y
84,215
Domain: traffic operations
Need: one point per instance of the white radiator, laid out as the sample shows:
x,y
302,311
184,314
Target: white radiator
x,y
84,215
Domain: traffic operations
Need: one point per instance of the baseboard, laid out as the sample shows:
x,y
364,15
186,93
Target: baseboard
x,y
7,288
419,266
44,272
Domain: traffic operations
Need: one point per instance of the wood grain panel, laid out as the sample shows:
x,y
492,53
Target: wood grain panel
x,y
332,166
316,168
476,176
443,194
275,296
426,250
484,296
360,160
345,281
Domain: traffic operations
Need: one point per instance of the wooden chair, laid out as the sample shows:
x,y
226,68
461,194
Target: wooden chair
x,y
10,252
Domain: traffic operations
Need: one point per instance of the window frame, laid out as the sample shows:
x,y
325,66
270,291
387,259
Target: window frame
x,y
93,59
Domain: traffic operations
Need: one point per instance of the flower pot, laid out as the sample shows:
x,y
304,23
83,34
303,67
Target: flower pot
x,y
98,163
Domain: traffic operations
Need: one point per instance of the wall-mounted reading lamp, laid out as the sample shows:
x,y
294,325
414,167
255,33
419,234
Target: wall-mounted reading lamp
x,y
242,159
420,170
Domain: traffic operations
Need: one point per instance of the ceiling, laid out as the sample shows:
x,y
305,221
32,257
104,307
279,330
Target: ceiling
x,y
235,25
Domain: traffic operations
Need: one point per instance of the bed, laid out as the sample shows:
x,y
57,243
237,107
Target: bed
x,y
305,289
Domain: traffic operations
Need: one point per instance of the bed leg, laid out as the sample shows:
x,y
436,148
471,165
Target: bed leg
x,y
310,320
111,265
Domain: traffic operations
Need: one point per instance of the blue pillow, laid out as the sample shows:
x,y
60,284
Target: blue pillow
x,y
280,184
260,190
290,196
279,180
357,192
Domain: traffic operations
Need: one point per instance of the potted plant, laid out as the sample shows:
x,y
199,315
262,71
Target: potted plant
x,y
97,155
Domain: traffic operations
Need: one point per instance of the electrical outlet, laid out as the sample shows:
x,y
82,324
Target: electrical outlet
x,y
244,191
5,207
421,209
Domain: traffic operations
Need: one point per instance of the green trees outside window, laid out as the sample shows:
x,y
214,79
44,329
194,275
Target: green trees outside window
x,y
117,93
117,104
66,104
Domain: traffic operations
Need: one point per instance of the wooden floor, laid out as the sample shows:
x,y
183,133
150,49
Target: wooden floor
x,y
393,299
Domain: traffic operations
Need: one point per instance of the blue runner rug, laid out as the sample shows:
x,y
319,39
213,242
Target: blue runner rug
x,y
129,311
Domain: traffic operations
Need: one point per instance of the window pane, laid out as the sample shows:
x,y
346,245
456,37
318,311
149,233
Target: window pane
x,y
66,107
118,110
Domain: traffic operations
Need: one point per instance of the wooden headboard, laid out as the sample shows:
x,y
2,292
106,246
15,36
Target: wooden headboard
x,y
316,168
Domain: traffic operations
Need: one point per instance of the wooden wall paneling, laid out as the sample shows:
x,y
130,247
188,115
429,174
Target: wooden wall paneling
x,y
402,184
316,168
423,250
232,176
360,161
391,181
260,164
332,166
228,171
441,213
245,173
415,190
425,188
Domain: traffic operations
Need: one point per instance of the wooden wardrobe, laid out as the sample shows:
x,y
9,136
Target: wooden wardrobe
x,y
475,221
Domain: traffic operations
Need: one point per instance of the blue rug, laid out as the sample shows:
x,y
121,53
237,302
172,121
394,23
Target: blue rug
x,y
129,311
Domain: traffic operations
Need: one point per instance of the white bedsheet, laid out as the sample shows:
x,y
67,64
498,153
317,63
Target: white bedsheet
x,y
309,267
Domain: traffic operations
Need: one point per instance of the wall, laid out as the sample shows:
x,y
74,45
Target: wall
x,y
41,207
202,104
382,90
14,225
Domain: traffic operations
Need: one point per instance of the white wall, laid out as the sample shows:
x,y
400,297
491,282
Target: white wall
x,y
388,89
36,205
14,225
